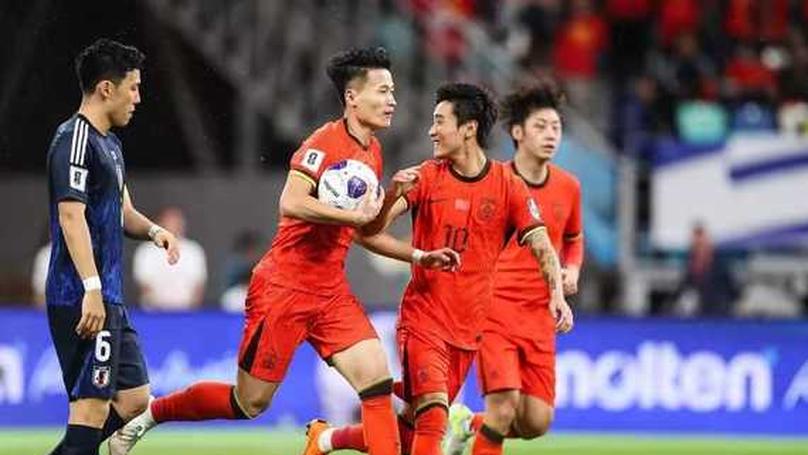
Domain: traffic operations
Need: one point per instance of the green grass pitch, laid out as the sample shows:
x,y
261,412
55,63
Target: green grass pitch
x,y
210,441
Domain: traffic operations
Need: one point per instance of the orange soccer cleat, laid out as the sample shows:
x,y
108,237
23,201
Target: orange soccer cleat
x,y
313,430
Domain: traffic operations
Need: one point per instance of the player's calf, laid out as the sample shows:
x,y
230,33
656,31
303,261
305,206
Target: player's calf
x,y
533,418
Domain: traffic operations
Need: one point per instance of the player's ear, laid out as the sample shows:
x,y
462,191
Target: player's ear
x,y
471,130
105,88
350,96
517,132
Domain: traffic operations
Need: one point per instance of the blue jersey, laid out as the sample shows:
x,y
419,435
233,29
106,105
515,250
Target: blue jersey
x,y
86,166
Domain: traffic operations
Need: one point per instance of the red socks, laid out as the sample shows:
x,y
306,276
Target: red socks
x,y
201,401
350,437
379,419
487,442
353,437
430,425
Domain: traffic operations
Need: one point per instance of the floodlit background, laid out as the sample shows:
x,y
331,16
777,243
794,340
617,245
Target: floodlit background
x,y
687,126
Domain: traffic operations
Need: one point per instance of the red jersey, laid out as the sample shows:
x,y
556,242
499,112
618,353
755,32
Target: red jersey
x,y
519,290
306,256
476,217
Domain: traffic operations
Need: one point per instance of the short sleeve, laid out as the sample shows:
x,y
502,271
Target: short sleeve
x,y
574,226
309,162
69,169
523,211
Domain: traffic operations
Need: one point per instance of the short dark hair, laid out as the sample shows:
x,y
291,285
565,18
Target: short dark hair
x,y
354,64
470,102
106,59
541,94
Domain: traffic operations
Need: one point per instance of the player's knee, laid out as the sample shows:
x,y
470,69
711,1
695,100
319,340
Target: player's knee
x,y
133,406
252,405
501,415
501,410
535,425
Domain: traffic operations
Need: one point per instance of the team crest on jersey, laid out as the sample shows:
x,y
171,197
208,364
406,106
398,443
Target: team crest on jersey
x,y
487,209
101,377
533,208
313,159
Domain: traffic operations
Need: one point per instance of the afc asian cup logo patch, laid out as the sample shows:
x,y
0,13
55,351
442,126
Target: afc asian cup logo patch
x,y
101,377
487,209
534,209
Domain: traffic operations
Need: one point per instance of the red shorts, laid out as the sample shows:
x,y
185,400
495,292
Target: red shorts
x,y
508,362
278,319
430,364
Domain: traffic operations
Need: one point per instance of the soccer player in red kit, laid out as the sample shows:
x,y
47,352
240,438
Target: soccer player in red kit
x,y
517,357
299,291
472,204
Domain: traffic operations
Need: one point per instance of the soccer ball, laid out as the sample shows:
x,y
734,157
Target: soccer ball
x,y
344,184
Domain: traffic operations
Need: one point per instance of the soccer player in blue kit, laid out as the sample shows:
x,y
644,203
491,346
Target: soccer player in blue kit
x,y
90,211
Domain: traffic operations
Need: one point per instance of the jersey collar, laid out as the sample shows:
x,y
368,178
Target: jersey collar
x,y
475,178
528,182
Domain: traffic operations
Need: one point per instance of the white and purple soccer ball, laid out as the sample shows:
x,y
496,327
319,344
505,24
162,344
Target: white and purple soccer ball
x,y
344,184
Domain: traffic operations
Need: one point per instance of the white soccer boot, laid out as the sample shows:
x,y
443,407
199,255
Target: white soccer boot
x,y
459,432
122,441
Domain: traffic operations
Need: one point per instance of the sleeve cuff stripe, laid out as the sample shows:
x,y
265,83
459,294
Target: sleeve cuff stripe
x,y
527,232
304,176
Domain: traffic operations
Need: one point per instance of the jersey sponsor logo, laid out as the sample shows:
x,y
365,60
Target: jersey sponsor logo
x,y
487,209
78,178
313,159
101,376
533,208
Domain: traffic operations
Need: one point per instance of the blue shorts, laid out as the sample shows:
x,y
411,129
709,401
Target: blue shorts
x,y
97,367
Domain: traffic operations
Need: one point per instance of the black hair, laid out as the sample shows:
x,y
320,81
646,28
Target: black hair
x,y
352,64
541,94
106,59
470,103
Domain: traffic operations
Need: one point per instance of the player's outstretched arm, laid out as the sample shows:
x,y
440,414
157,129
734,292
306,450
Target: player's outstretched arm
x,y
550,268
386,245
77,237
138,226
392,207
297,202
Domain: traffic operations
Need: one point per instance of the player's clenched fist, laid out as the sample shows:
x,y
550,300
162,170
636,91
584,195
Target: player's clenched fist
x,y
443,258
404,180
562,314
369,207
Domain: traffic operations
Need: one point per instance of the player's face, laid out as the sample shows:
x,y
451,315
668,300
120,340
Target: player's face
x,y
540,134
447,137
373,100
123,99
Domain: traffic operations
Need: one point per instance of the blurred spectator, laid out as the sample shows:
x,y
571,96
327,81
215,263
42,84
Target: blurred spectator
x,y
751,21
578,47
684,72
793,80
540,18
708,288
39,275
644,113
630,32
677,17
247,250
166,287
747,78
